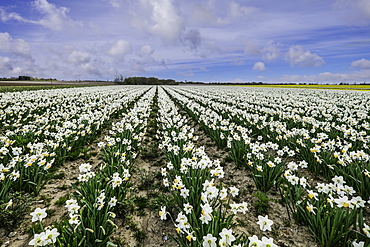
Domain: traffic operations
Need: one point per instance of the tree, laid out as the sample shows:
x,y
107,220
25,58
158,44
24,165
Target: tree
x,y
119,79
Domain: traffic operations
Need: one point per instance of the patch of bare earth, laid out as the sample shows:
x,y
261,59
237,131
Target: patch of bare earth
x,y
55,189
49,195
143,226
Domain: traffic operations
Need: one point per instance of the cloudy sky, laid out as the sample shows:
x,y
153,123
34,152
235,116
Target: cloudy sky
x,y
325,41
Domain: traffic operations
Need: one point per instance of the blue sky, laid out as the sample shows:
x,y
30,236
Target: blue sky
x,y
324,41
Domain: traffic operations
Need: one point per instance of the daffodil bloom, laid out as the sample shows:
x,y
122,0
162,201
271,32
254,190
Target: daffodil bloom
x,y
366,230
73,219
85,167
188,208
38,240
342,202
311,194
264,223
163,213
227,236
234,191
112,202
9,204
310,208
38,214
209,241
268,242
254,241
359,244
51,236
184,192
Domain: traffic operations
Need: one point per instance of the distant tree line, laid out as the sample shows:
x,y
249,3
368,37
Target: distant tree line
x,y
120,80
267,83
26,78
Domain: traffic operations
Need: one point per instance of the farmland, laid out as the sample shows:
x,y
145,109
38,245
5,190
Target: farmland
x,y
185,166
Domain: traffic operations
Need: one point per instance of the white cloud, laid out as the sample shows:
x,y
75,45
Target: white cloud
x,y
362,64
237,80
165,21
5,41
5,64
259,66
14,67
364,5
115,3
78,57
91,69
10,16
146,50
205,15
326,77
192,38
53,17
218,14
238,11
357,10
270,51
332,77
21,47
14,46
297,56
250,47
120,48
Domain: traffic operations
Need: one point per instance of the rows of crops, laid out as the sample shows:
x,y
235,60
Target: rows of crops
x,y
309,147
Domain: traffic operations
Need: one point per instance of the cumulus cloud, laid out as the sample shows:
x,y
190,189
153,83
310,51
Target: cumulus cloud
x,y
10,16
270,51
332,77
53,17
192,38
146,50
120,48
259,66
165,21
204,14
250,47
78,63
362,64
5,64
145,53
14,46
297,56
238,11
14,67
78,57
5,40
91,69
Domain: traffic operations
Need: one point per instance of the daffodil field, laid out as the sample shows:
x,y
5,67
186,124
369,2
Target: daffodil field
x,y
309,149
